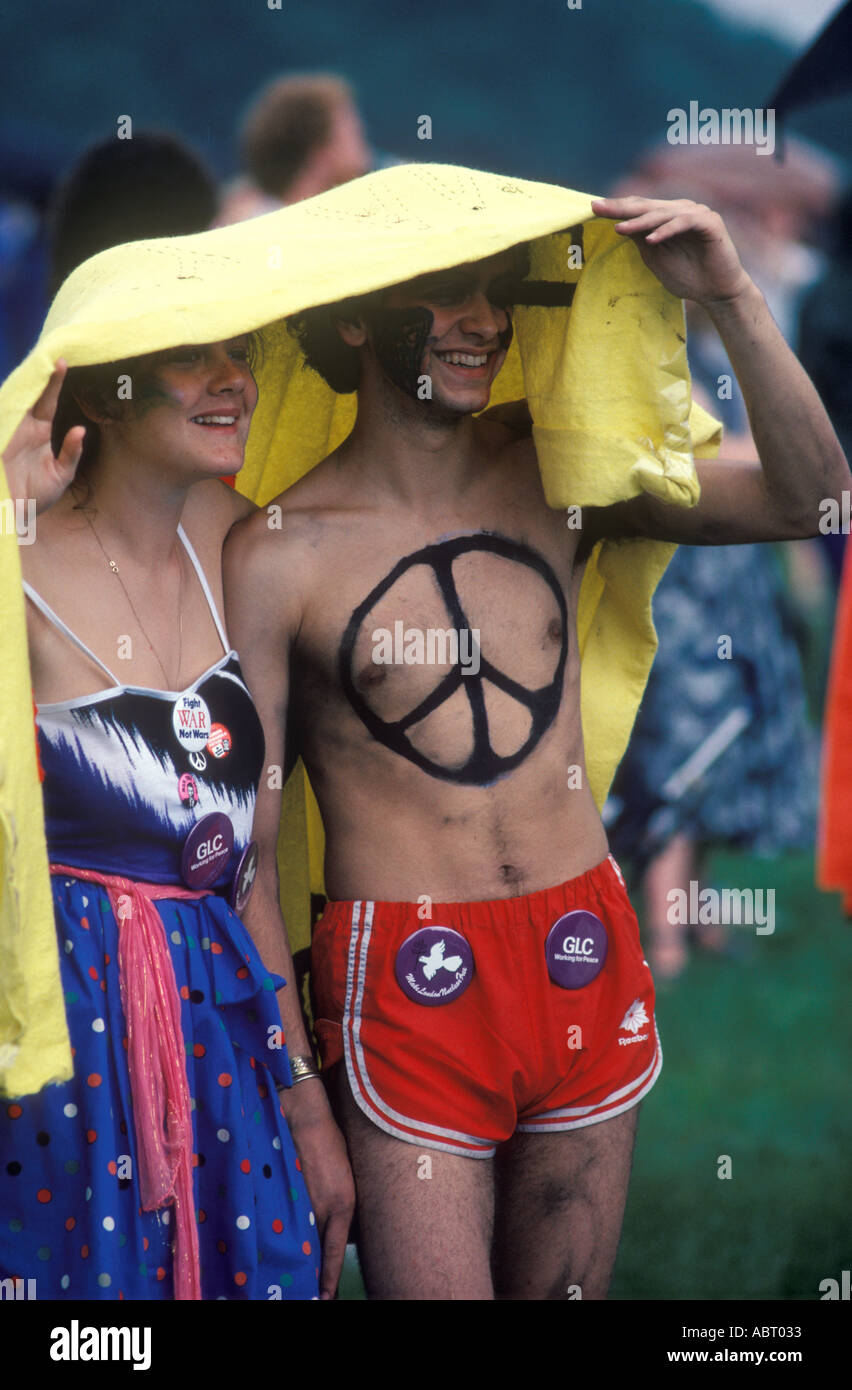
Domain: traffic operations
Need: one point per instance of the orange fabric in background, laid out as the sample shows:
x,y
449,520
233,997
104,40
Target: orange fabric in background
x,y
834,857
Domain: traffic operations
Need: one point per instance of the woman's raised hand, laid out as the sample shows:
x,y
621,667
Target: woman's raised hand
x,y
32,469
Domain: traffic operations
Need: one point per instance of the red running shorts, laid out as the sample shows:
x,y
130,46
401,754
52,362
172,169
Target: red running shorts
x,y
459,1028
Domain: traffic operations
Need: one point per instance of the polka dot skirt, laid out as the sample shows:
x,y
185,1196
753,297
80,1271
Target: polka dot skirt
x,y
70,1214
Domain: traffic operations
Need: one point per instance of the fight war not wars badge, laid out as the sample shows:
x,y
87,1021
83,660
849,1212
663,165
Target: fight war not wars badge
x,y
576,949
434,965
191,723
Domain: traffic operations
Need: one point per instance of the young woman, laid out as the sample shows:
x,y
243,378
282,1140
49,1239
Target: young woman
x,y
165,1167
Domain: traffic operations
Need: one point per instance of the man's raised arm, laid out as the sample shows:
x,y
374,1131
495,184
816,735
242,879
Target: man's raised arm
x,y
262,605
801,462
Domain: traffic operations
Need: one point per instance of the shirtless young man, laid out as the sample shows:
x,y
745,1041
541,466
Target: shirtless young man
x,y
449,974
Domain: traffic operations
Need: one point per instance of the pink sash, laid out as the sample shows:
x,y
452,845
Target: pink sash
x,y
156,1059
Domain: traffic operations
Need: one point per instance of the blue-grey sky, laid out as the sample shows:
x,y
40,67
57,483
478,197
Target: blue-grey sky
x,y
796,20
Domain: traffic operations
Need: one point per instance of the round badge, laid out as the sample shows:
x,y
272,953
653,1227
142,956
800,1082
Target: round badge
x,y
188,789
206,850
434,965
244,877
198,760
219,742
191,721
576,949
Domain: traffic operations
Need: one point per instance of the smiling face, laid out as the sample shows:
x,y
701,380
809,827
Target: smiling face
x,y
452,326
190,410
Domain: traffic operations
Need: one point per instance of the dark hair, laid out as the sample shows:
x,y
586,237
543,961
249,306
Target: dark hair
x,y
287,123
337,363
127,190
97,386
316,331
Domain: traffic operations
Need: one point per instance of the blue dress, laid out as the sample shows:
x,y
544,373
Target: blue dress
x,y
123,788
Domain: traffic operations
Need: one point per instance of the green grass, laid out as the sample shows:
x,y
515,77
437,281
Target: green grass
x,y
757,1066
758,1056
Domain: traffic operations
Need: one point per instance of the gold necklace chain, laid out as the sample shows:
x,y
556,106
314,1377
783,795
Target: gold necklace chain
x,y
115,570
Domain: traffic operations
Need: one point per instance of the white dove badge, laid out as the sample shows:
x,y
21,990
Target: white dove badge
x,y
434,965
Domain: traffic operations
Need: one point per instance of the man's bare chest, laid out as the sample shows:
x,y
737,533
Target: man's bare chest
x,y
450,652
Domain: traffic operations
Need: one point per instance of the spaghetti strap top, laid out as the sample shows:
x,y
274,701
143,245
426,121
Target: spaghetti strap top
x,y
124,783
53,617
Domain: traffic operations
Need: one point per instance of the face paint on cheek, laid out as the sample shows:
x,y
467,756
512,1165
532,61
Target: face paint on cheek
x,y
399,338
150,391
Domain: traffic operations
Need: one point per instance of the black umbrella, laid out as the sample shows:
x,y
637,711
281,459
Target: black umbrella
x,y
823,71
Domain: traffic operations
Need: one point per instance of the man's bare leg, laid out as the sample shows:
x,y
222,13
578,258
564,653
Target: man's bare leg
x,y
426,1217
560,1205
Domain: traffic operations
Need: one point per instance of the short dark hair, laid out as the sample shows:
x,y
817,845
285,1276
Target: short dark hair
x,y
317,333
287,123
337,363
128,190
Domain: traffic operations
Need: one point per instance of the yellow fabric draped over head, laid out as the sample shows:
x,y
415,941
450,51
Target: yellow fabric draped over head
x,y
608,388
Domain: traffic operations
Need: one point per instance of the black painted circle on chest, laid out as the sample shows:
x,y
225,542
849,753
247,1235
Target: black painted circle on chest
x,y
483,765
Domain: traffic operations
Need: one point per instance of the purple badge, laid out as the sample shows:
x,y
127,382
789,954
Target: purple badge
x,y
244,877
576,949
206,850
434,965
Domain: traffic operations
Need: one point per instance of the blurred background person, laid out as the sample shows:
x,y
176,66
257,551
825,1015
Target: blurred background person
x,y
153,184
302,135
150,185
723,752
825,343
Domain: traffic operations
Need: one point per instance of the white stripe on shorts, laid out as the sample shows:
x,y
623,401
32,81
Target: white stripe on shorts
x,y
363,1090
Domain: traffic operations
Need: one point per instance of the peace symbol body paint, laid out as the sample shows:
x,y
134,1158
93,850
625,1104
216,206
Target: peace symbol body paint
x,y
484,765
